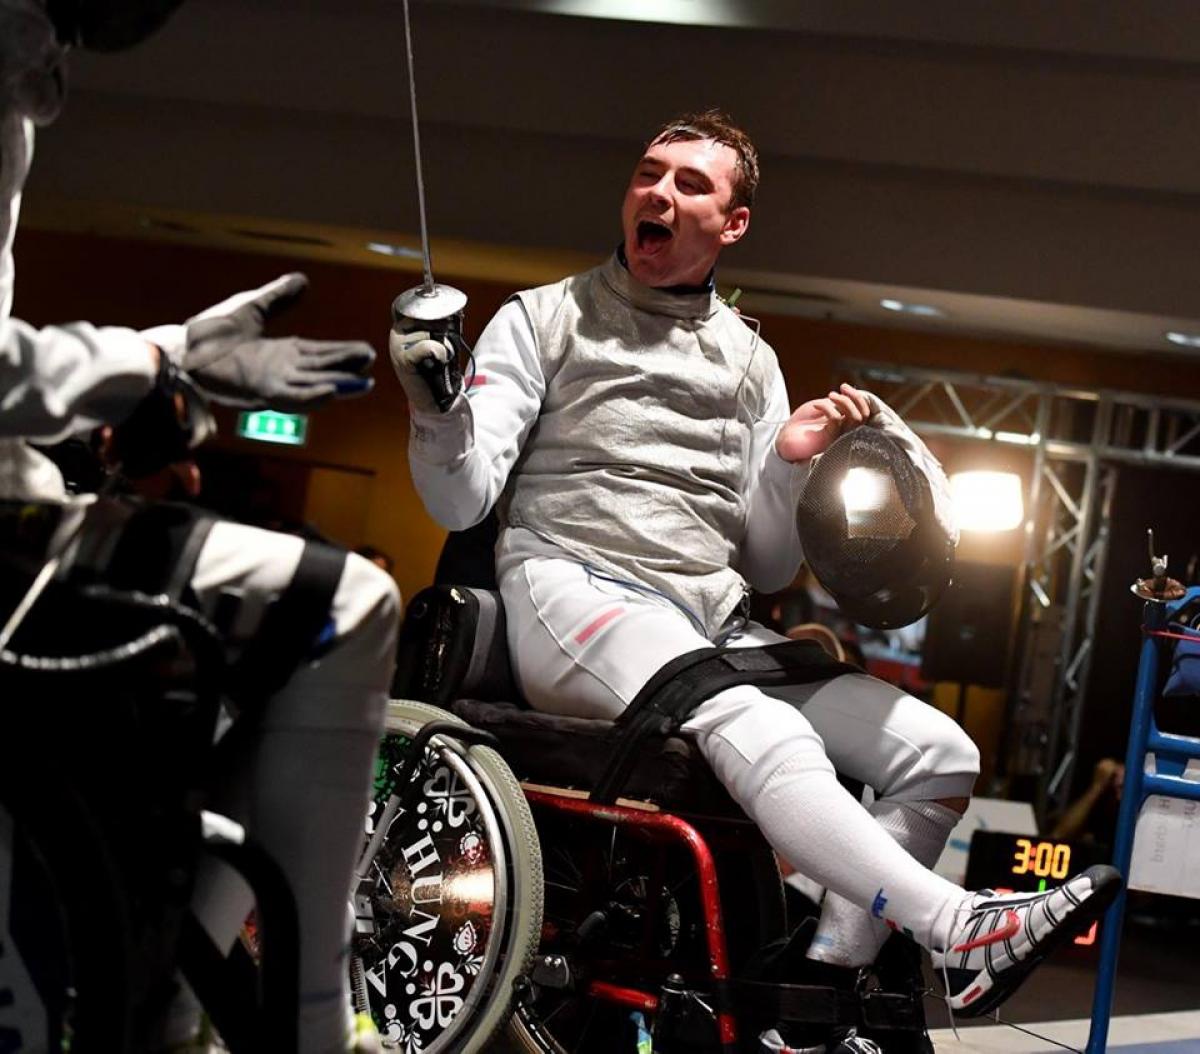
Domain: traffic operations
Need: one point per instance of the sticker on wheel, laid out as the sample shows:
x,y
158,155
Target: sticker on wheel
x,y
427,905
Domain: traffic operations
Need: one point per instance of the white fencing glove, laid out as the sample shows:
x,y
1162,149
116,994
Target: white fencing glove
x,y
426,362
228,357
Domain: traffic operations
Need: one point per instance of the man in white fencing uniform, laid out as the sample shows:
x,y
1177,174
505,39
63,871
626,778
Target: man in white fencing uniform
x,y
304,790
636,439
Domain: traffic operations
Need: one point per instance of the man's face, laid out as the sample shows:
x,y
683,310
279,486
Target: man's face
x,y
676,217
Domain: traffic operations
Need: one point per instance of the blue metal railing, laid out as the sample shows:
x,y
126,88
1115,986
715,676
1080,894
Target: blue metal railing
x,y
1172,753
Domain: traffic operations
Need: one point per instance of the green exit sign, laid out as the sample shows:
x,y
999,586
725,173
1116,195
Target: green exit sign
x,y
267,426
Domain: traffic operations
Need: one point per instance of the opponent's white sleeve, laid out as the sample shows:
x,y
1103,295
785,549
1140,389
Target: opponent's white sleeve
x,y
461,459
770,554
60,379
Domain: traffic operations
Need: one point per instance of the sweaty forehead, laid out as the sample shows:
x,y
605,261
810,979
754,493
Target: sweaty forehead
x,y
716,160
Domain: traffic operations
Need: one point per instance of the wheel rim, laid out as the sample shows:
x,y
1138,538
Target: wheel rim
x,y
437,891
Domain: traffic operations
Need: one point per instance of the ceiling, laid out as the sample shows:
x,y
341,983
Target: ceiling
x,y
1030,170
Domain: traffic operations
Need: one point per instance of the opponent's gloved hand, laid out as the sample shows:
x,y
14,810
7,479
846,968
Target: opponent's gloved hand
x,y
227,356
888,421
426,361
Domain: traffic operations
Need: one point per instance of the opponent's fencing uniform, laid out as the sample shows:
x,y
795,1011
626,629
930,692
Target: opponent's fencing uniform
x,y
626,436
303,790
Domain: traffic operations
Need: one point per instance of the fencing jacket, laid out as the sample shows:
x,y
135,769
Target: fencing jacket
x,y
57,380
628,428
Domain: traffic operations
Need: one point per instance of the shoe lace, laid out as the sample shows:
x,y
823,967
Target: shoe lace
x,y
947,1001
1011,927
964,905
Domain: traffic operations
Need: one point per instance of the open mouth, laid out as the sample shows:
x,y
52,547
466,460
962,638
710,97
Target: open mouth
x,y
652,236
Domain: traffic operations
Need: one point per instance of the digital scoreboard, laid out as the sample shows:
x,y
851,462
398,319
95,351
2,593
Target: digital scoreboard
x,y
1023,864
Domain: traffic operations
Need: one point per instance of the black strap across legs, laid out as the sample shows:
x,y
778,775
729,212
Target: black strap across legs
x,y
296,626
670,696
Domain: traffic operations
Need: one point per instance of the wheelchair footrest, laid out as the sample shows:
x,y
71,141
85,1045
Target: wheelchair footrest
x,y
803,1004
807,1004
893,1010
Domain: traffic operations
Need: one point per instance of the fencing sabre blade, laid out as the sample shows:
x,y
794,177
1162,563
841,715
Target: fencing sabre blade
x,y
430,306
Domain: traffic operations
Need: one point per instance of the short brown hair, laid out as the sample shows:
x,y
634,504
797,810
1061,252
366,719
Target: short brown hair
x,y
719,127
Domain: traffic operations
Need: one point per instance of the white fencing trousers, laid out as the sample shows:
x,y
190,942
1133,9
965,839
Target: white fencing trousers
x,y
302,787
584,645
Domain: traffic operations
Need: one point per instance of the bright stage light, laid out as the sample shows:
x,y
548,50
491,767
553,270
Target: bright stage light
x,y
987,501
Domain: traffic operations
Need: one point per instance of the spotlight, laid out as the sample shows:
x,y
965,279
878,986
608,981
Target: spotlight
x,y
987,501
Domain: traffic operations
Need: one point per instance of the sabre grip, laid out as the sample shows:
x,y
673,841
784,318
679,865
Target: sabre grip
x,y
444,379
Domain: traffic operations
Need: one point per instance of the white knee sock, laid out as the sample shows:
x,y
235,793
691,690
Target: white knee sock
x,y
313,835
301,789
305,802
788,787
849,936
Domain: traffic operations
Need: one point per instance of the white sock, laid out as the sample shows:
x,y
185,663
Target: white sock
x,y
302,784
848,936
773,763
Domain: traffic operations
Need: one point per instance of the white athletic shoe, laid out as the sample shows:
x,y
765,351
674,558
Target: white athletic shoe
x,y
997,939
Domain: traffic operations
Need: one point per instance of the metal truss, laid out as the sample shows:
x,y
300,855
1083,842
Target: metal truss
x,y
1077,439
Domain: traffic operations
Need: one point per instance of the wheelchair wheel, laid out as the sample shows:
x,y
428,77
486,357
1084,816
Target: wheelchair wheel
x,y
454,906
626,911
65,959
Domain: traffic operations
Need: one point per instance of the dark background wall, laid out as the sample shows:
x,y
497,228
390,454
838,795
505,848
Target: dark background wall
x,y
356,453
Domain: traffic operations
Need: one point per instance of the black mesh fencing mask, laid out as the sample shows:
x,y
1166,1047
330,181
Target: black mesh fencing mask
x,y
867,525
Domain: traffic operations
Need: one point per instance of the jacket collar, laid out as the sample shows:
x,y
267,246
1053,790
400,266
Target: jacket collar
x,y
684,302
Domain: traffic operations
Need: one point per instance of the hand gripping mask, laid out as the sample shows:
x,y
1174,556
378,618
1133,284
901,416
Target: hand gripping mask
x,y
870,535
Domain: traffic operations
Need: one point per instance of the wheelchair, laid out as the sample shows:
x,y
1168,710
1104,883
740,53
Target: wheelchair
x,y
110,705
516,879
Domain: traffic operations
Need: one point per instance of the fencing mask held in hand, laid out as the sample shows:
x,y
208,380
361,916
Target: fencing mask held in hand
x,y
870,536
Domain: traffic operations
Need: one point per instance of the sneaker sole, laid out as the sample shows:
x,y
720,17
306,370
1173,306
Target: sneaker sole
x,y
1006,983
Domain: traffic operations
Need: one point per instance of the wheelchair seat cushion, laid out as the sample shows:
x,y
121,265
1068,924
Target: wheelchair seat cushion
x,y
573,752
453,653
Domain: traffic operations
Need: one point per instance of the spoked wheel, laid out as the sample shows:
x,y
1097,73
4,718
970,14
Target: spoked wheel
x,y
450,913
623,913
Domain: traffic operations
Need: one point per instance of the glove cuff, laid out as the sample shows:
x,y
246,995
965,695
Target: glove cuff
x,y
170,339
169,422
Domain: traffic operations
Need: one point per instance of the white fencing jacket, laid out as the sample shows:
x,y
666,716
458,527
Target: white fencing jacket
x,y
57,380
626,428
